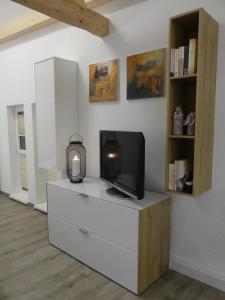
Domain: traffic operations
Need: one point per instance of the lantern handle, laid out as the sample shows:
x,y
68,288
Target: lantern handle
x,y
76,134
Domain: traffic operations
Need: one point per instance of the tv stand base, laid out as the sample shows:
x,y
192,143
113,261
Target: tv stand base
x,y
114,192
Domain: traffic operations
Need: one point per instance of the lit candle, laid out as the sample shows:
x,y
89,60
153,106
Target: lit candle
x,y
75,166
111,155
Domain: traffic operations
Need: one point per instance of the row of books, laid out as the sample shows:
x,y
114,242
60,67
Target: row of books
x,y
183,61
179,172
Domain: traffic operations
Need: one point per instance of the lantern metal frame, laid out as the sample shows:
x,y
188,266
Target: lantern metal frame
x,y
77,146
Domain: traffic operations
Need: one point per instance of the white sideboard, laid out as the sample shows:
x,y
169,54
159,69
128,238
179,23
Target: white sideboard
x,y
56,110
126,240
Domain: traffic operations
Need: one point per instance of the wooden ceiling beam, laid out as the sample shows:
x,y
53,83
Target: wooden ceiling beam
x,y
96,3
72,12
35,21
81,3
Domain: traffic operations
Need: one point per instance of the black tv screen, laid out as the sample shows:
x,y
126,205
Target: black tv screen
x,y
122,161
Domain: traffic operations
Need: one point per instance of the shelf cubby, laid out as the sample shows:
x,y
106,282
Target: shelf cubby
x,y
196,93
183,28
180,149
182,93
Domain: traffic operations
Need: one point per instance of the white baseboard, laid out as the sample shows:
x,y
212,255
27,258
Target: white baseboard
x,y
41,207
197,272
20,197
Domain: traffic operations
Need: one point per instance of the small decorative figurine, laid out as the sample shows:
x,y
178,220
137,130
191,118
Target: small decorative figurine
x,y
188,187
178,121
190,123
180,184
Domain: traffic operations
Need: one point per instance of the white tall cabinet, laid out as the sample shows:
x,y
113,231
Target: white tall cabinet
x,y
56,110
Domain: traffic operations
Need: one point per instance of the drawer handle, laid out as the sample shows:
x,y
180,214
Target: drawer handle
x,y
83,230
83,195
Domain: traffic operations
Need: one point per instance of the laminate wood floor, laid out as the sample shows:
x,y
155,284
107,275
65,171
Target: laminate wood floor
x,y
31,269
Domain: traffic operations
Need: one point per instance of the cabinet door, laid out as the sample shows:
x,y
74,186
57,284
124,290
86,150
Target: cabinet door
x,y
57,112
107,258
110,221
66,107
45,108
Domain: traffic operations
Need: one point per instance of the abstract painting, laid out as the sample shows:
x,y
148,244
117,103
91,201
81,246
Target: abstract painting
x,y
145,75
103,81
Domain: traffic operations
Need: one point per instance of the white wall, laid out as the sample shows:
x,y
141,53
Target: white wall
x,y
198,225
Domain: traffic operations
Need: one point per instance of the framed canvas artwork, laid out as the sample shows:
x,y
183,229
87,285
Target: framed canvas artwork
x,y
146,75
103,81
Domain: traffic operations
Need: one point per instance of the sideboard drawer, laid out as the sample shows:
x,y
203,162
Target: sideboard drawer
x,y
109,259
112,222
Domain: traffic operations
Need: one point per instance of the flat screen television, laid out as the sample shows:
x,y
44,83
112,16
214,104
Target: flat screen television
x,y
122,161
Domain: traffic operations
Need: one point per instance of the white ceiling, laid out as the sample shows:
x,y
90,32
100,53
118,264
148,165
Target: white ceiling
x,y
10,11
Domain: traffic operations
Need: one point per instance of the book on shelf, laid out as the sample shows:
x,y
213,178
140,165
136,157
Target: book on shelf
x,y
172,62
186,58
183,60
192,60
179,171
171,177
176,72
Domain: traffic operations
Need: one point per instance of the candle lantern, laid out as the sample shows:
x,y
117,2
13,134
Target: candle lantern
x,y
76,159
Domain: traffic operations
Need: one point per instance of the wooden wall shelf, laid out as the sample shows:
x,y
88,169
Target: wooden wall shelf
x,y
181,136
196,93
184,77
